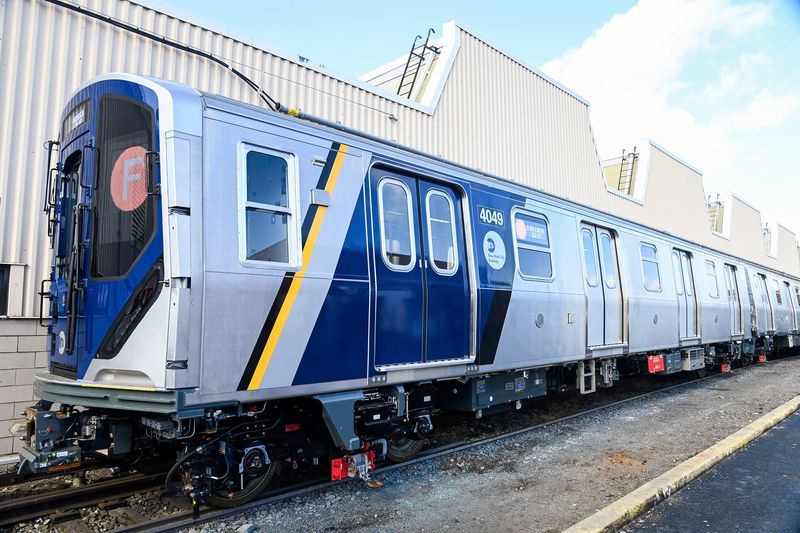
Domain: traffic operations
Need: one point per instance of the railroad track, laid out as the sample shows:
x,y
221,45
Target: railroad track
x,y
12,478
207,514
61,506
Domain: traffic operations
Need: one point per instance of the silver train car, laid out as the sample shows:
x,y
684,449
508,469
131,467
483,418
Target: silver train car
x,y
236,290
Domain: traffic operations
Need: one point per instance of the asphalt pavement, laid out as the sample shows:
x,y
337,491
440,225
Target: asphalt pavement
x,y
756,489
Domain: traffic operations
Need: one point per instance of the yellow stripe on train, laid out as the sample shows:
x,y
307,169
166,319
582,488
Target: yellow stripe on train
x,y
297,280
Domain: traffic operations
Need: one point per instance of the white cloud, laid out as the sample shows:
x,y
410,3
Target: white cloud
x,y
633,71
631,65
765,111
736,78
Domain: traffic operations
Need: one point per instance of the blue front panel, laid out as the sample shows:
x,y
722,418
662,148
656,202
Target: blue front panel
x,y
109,203
399,304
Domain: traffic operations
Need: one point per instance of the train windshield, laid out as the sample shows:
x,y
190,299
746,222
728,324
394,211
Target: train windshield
x,y
125,214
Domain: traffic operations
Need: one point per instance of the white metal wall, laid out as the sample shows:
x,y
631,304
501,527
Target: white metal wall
x,y
494,113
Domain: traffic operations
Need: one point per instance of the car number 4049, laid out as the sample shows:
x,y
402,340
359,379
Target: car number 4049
x,y
490,216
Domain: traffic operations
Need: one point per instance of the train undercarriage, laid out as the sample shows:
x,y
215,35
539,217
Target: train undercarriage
x,y
229,455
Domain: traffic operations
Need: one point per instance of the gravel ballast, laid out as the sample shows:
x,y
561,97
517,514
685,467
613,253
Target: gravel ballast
x,y
544,480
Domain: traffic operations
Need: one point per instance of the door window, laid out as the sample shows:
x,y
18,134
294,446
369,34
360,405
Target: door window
x,y
125,215
676,267
777,287
442,232
711,278
398,248
590,257
609,272
687,273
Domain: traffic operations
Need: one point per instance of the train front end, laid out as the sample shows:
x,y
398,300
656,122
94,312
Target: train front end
x,y
112,292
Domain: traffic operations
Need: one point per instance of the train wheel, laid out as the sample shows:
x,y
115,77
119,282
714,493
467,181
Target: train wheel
x,y
232,494
700,373
404,449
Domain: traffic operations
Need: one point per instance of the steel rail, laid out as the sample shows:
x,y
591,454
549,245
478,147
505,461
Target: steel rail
x,y
16,510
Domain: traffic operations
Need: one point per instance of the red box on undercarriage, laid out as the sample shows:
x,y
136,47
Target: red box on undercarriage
x,y
655,363
338,469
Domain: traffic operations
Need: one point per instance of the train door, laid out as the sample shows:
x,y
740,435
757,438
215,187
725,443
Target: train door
x,y
691,295
792,303
687,298
595,301
422,294
447,294
769,323
602,285
733,299
680,292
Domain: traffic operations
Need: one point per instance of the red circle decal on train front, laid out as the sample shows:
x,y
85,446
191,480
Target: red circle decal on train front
x,y
128,179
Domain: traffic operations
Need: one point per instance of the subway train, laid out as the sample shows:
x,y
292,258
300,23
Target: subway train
x,y
237,291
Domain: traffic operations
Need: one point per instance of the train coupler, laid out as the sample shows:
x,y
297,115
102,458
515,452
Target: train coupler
x,y
357,465
49,446
49,461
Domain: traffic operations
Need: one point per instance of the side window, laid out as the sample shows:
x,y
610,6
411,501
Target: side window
x,y
676,268
589,257
442,232
609,271
711,276
650,273
397,247
533,246
797,294
777,286
270,218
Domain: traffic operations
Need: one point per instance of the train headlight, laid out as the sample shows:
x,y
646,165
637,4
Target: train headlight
x,y
135,308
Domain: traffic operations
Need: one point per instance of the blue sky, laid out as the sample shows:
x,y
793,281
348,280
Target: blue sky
x,y
353,37
717,82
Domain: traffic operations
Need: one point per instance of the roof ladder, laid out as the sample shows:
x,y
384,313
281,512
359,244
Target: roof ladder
x,y
714,212
414,64
626,170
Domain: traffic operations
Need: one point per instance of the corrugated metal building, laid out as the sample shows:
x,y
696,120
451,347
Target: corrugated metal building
x,y
470,103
